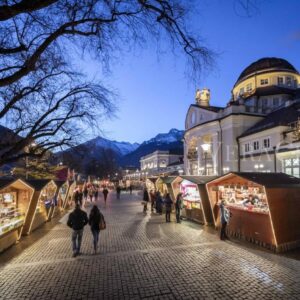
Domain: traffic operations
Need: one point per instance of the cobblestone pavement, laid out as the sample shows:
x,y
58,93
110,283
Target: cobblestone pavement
x,y
141,257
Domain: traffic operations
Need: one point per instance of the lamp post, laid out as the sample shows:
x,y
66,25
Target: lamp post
x,y
205,148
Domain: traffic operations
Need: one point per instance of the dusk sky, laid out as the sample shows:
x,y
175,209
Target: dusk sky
x,y
154,91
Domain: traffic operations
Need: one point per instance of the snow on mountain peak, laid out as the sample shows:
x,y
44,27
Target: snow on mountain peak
x,y
173,135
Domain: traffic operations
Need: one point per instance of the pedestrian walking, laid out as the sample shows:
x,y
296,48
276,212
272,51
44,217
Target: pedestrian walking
x,y
95,220
159,203
91,193
168,204
77,220
152,199
78,196
178,207
105,193
85,193
130,189
118,192
224,217
145,200
96,193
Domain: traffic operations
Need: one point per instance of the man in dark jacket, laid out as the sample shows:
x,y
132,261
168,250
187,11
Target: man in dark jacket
x,y
78,195
178,206
77,220
168,204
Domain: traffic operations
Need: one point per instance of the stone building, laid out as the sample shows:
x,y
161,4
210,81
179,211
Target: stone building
x,y
258,130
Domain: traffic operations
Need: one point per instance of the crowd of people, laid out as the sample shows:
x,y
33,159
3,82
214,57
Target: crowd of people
x,y
160,203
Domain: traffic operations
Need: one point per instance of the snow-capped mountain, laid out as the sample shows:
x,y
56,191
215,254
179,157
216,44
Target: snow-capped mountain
x,y
171,141
174,135
121,148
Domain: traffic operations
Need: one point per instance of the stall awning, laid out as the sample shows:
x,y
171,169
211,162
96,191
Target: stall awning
x,y
270,179
198,179
38,184
168,179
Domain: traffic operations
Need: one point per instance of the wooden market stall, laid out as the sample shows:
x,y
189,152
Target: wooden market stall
x,y
264,207
150,183
15,196
59,198
195,199
42,199
164,185
68,199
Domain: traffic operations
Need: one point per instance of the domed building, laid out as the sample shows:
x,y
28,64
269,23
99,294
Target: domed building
x,y
258,130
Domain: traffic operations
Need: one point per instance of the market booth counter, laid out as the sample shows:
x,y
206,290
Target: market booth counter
x,y
40,205
15,196
264,207
195,199
59,198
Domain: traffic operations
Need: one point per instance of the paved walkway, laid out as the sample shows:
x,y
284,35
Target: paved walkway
x,y
141,257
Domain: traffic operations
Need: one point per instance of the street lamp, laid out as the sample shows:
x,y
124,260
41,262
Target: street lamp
x,y
206,148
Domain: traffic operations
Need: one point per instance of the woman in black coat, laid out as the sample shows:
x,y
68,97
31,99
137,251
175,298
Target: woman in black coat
x,y
94,221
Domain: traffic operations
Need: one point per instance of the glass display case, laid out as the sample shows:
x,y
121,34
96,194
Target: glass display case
x,y
244,197
10,215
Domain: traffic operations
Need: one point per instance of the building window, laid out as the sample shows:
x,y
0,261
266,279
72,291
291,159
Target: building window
x,y
256,145
264,81
242,91
275,102
267,143
247,147
280,80
292,166
249,87
288,81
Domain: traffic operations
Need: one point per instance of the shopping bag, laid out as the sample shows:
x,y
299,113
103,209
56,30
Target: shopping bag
x,y
102,224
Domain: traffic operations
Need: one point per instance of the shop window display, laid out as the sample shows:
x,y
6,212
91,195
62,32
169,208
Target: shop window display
x,y
10,215
244,197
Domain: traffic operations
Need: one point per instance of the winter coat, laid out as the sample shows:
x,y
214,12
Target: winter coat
x,y
78,196
94,221
77,219
146,196
168,203
224,215
105,192
179,203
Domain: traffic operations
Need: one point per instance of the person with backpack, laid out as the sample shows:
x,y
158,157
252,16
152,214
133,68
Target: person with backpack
x,y
77,220
178,207
105,193
168,203
96,221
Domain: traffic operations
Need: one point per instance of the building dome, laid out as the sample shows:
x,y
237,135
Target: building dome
x,y
267,64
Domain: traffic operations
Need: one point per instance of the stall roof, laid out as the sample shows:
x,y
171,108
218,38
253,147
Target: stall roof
x,y
270,179
38,184
168,179
198,179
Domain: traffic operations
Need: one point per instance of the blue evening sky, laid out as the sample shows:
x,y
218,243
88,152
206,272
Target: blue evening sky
x,y
154,91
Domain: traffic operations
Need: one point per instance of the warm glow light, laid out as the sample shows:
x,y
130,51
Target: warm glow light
x,y
205,147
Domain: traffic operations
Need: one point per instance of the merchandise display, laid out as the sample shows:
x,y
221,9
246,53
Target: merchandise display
x,y
244,197
10,216
47,197
191,196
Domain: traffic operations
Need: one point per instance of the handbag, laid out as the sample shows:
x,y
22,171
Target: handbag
x,y
102,224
